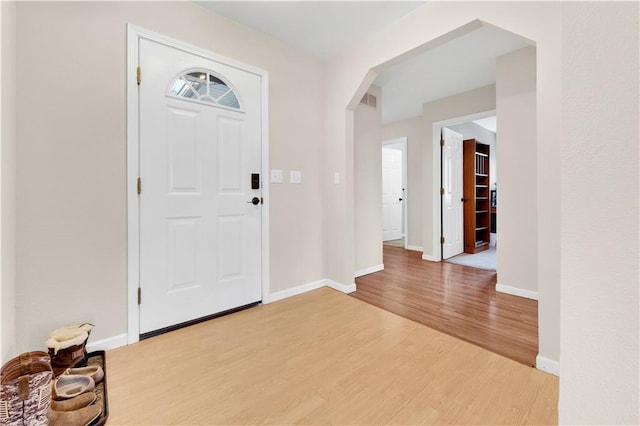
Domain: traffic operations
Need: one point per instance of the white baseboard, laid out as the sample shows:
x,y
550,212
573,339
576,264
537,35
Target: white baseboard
x,y
414,248
370,270
121,339
548,365
429,258
345,288
517,291
108,343
293,291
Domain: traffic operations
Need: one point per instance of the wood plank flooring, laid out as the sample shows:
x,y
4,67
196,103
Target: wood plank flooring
x,y
321,358
455,299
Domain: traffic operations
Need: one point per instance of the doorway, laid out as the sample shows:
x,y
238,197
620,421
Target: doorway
x,y
394,192
447,166
480,195
196,152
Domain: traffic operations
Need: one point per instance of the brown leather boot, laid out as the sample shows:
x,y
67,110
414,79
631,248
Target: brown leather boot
x,y
25,390
76,403
81,417
67,346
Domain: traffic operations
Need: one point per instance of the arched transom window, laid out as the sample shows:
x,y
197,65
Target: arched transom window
x,y
203,86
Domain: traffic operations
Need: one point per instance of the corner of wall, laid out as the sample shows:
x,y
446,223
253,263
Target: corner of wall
x,y
7,180
548,365
367,182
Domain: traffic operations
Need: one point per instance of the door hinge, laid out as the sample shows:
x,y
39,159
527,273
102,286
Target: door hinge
x,y
138,75
441,140
441,191
139,295
441,240
139,186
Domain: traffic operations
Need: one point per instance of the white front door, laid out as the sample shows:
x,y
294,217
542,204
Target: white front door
x,y
391,194
452,211
200,142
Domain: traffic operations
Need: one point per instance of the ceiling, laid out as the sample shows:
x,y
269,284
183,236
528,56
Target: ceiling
x,y
328,28
488,123
322,28
463,64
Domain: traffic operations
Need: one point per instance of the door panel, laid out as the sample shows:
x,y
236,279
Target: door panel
x,y
183,162
391,194
183,252
230,250
452,212
229,154
200,241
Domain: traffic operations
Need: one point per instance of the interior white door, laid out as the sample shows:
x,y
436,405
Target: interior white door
x,y
391,194
452,211
200,238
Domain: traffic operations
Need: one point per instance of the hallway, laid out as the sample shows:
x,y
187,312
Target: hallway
x,y
458,300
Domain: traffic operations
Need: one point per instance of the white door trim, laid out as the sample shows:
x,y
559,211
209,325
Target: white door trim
x,y
134,33
437,167
405,181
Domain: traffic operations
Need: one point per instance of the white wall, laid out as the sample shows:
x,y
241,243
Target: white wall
x,y
368,184
599,235
424,28
413,130
466,103
8,180
517,258
71,158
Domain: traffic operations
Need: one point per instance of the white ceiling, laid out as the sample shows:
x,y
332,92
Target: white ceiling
x,y
489,123
463,64
327,28
323,28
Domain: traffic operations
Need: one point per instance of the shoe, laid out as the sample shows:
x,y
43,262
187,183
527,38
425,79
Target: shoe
x,y
67,346
75,403
25,390
81,417
93,371
67,386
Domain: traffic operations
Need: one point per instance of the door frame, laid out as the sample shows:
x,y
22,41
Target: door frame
x,y
134,34
437,175
405,183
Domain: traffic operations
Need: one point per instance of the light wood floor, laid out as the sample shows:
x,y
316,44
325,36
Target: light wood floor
x,y
455,299
321,358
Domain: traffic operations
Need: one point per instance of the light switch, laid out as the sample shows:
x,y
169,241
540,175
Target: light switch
x,y
295,176
336,178
276,176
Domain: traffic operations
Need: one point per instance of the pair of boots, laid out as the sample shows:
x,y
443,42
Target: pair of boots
x,y
25,396
26,384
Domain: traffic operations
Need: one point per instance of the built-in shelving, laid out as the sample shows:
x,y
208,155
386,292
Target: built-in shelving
x,y
476,196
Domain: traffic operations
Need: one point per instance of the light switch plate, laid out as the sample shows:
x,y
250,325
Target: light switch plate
x,y
276,176
336,178
295,176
